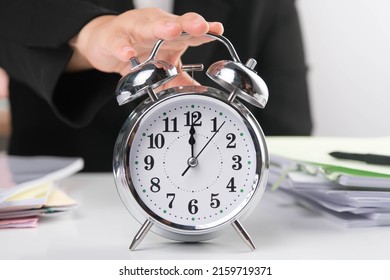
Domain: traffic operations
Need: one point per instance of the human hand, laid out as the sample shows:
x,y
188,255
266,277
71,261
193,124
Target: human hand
x,y
108,42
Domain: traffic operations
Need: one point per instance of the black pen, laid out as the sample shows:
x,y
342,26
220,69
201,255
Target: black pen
x,y
367,158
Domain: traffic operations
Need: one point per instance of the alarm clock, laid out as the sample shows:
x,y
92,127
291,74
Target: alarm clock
x,y
191,160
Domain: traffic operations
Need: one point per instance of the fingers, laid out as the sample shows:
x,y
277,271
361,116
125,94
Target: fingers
x,y
166,29
216,28
144,27
169,27
193,24
107,42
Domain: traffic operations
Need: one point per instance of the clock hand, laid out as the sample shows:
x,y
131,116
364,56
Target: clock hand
x,y
211,138
191,141
208,142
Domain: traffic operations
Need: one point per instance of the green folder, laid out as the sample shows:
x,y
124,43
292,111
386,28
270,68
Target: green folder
x,y
312,155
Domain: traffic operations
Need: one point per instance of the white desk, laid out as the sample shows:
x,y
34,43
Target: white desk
x,y
101,228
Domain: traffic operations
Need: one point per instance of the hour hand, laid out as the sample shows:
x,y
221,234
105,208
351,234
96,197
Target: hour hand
x,y
191,141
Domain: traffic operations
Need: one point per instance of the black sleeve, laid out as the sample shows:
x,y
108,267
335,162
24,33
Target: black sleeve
x,y
282,65
34,39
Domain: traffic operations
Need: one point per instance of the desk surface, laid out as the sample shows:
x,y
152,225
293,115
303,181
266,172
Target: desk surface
x,y
101,228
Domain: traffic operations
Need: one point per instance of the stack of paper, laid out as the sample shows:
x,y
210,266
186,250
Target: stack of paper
x,y
28,188
353,193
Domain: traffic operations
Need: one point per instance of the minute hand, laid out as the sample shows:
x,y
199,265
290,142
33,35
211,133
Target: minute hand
x,y
208,142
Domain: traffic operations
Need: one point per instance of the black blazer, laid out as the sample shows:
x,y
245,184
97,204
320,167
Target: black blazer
x,y
75,114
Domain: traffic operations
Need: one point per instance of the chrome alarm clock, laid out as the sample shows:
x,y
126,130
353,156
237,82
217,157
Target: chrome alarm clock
x,y
191,160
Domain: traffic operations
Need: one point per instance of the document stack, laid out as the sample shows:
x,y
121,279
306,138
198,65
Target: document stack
x,y
28,188
351,192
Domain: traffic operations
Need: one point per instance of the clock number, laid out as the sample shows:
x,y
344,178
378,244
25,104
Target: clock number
x,y
193,118
237,161
192,207
215,203
155,187
172,196
149,161
231,137
231,185
170,123
214,121
157,141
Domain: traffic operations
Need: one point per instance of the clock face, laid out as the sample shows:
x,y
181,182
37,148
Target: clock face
x,y
193,162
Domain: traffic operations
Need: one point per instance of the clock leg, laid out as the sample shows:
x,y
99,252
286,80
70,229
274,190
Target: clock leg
x,y
141,234
244,235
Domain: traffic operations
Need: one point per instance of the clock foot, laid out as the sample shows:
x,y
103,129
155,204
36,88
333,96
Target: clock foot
x,y
244,235
141,234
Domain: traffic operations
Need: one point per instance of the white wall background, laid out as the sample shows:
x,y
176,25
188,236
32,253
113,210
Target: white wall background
x,y
347,45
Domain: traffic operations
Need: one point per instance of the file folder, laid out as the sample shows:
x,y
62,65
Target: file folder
x,y
351,193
